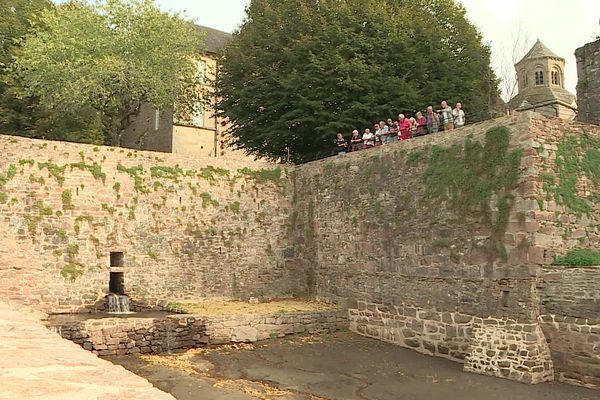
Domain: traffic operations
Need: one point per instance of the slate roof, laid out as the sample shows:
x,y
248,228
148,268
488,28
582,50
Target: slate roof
x,y
543,94
539,50
214,39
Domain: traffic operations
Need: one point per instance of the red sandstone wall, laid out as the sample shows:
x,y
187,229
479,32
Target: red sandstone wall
x,y
196,232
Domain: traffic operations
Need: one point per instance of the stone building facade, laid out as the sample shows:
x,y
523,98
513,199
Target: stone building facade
x,y
202,134
588,85
441,244
541,84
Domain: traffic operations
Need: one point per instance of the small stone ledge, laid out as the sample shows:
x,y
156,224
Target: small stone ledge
x,y
120,336
516,351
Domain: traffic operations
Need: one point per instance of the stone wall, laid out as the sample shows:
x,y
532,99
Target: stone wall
x,y
188,227
588,85
422,241
410,241
130,335
570,320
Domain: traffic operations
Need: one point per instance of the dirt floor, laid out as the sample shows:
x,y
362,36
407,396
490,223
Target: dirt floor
x,y
231,307
343,366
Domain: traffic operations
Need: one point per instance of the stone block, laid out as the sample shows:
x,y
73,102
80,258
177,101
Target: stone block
x,y
245,334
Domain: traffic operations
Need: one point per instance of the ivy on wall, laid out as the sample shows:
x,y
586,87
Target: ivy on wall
x,y
576,157
474,179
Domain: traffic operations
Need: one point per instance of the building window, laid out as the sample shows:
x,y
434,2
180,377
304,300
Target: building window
x,y
201,69
539,78
156,119
198,116
556,77
525,80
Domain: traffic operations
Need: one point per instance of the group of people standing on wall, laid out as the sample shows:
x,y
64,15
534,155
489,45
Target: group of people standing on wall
x,y
386,132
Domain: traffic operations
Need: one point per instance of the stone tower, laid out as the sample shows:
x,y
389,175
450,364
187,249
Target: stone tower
x,y
540,76
588,86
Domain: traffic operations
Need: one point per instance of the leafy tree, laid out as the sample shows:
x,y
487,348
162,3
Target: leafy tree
x,y
300,70
108,58
18,19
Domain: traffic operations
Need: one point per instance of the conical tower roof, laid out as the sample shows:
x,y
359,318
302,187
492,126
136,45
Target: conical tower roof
x,y
539,50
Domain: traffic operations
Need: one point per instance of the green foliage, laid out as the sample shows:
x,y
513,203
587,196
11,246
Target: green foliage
x,y
133,171
95,170
298,71
82,218
108,58
22,115
235,207
166,172
72,269
110,209
67,199
117,188
3,198
264,175
208,200
153,254
209,173
575,158
12,171
55,170
40,210
29,162
467,178
579,257
441,243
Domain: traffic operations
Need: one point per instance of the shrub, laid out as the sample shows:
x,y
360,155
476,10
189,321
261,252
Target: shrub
x,y
579,258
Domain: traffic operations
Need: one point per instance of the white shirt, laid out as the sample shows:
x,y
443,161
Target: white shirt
x,y
459,117
368,138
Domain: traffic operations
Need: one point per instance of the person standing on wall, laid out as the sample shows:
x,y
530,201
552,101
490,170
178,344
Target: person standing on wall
x,y
459,116
446,116
341,144
356,143
421,124
368,139
433,120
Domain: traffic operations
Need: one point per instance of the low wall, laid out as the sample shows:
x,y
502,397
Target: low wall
x,y
120,336
444,334
570,319
499,347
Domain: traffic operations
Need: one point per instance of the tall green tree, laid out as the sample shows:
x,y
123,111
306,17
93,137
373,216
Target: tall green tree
x,y
297,71
18,18
108,58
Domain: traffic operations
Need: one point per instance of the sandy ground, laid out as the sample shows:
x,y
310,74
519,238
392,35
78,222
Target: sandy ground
x,y
343,366
230,307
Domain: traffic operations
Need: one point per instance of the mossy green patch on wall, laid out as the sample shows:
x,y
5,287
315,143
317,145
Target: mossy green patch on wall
x,y
477,180
576,158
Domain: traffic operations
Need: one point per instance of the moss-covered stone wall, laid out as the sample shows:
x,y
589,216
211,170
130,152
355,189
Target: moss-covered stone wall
x,y
188,227
411,235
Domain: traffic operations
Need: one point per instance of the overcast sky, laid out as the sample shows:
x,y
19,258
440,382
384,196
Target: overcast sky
x,y
563,25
